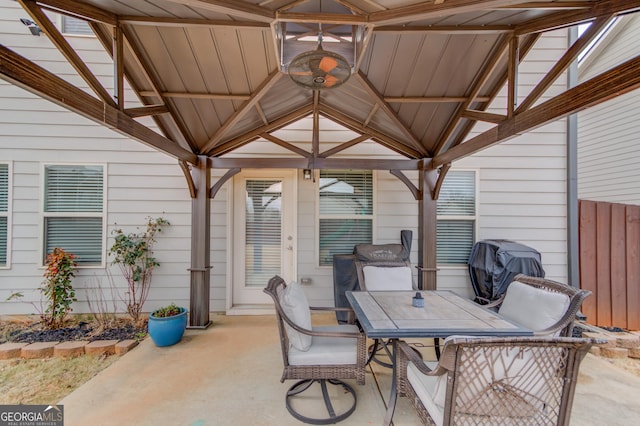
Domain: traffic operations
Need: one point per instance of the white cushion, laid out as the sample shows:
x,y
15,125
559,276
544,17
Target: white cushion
x,y
328,350
430,389
296,306
489,389
533,307
378,278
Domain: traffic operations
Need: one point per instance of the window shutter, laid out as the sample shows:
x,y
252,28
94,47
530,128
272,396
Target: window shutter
x,y
346,211
263,230
73,205
456,217
4,209
73,189
75,26
458,194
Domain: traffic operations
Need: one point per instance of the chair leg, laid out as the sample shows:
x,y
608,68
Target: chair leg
x,y
303,385
379,344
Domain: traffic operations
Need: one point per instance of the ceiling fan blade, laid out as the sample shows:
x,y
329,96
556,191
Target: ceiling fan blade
x,y
330,80
327,63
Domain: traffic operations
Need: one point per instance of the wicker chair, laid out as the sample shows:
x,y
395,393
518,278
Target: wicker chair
x,y
331,353
383,267
494,381
545,306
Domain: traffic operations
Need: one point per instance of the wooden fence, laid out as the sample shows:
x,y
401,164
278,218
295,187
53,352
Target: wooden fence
x,y
610,263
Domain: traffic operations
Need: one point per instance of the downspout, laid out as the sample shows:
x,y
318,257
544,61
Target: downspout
x,y
572,177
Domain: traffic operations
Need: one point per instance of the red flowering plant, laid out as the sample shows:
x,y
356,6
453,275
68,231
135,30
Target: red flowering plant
x,y
57,288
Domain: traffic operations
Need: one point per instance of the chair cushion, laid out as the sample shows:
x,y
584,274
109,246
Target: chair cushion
x,y
506,383
430,389
533,307
387,278
328,350
296,306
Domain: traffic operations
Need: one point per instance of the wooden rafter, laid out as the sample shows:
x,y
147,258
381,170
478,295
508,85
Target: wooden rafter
x,y
427,10
104,37
320,163
433,100
570,55
328,153
617,81
146,110
192,95
30,76
267,84
63,46
483,116
444,29
84,11
301,152
485,73
565,19
527,43
241,140
391,114
377,136
242,10
160,21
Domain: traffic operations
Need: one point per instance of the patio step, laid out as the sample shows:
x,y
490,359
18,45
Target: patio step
x,y
617,344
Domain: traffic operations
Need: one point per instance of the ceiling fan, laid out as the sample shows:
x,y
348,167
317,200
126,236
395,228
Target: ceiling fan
x,y
319,69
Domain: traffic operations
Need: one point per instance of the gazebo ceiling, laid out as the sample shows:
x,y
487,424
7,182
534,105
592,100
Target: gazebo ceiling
x,y
213,73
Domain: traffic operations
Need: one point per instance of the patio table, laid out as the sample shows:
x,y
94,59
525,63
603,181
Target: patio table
x,y
391,315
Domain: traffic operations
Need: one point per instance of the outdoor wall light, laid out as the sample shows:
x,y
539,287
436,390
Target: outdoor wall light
x,y
306,173
33,27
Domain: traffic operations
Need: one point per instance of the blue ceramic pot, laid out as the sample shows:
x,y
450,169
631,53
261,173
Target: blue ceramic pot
x,y
167,331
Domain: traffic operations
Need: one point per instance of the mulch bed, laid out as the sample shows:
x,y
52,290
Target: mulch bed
x,y
35,332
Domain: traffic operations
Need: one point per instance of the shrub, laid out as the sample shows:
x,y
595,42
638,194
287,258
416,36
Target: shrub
x,y
133,253
167,311
57,288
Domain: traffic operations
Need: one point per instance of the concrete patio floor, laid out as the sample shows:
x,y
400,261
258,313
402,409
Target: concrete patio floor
x,y
230,373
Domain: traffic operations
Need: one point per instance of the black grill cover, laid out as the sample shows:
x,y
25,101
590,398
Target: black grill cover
x,y
494,263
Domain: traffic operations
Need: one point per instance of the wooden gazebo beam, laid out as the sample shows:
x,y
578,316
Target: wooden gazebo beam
x,y
615,82
35,79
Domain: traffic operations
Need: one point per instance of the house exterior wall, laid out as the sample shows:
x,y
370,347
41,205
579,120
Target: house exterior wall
x,y
521,191
608,148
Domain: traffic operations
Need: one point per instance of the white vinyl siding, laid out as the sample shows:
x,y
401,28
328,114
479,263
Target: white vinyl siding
x,y
456,217
608,148
346,211
4,215
73,207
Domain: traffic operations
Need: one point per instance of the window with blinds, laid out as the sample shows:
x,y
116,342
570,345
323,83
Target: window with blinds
x,y
346,211
4,213
456,217
75,26
73,211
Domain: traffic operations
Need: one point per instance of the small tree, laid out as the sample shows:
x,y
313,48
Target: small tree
x,y
133,253
57,287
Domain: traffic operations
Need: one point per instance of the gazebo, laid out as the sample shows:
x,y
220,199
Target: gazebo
x,y
412,76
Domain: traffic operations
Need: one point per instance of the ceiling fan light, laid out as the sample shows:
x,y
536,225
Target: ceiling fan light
x,y
319,69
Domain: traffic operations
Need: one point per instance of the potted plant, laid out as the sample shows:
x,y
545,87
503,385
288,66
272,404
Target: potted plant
x,y
167,324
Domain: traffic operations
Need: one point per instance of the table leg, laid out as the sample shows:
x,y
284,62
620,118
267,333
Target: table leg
x,y
393,397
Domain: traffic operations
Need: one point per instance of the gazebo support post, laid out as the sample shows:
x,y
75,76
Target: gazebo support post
x,y
200,236
427,229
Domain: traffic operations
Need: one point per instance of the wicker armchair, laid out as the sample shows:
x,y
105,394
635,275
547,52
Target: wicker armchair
x,y
494,381
545,306
327,354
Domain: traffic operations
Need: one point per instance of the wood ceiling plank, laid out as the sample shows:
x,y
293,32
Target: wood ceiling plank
x,y
35,79
617,81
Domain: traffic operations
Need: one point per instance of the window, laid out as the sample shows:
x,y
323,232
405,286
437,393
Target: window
x,y
456,217
346,211
4,214
73,211
75,26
